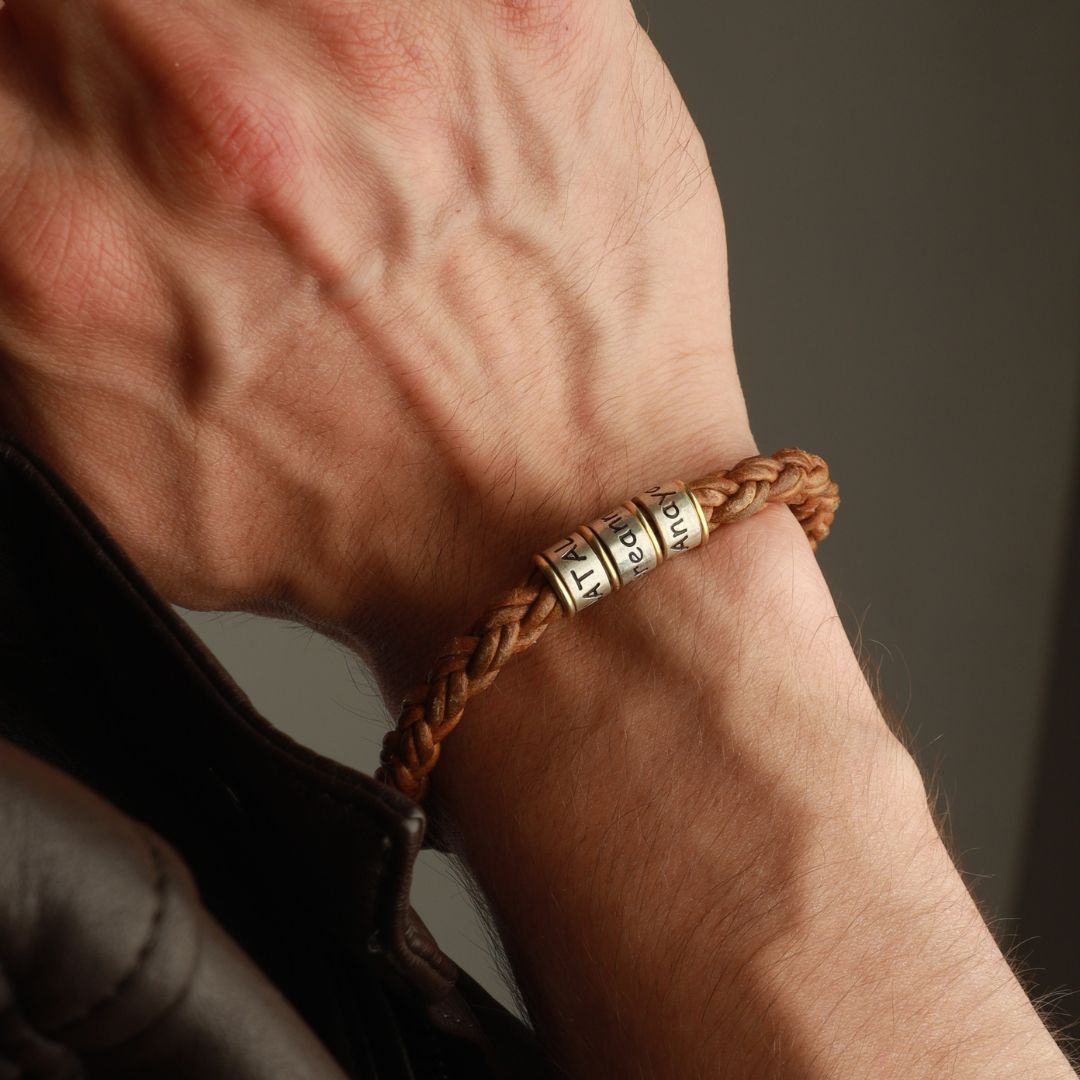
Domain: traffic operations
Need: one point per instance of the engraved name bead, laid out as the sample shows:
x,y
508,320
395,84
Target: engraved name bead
x,y
625,540
676,517
576,573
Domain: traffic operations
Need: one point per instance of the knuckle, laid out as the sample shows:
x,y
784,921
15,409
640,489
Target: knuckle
x,y
247,136
380,50
551,24
220,117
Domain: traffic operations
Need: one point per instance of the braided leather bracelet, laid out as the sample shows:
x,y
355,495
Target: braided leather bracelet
x,y
585,566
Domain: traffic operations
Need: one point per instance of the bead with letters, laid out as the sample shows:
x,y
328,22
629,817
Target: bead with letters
x,y
676,517
626,540
576,573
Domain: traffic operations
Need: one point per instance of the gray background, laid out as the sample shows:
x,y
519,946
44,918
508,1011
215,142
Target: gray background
x,y
902,189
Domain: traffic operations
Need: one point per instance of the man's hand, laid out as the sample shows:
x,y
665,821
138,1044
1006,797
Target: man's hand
x,y
326,303
340,308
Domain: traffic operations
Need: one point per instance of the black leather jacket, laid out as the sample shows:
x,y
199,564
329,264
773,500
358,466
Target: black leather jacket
x,y
184,891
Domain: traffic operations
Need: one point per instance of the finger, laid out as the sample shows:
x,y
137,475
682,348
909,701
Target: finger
x,y
46,37
37,17
12,109
7,36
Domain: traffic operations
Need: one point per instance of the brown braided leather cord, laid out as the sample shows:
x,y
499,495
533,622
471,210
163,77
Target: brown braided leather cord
x,y
516,621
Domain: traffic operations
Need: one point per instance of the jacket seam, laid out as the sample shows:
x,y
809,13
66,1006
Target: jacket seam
x,y
138,963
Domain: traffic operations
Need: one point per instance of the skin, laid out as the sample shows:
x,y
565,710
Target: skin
x,y
324,304
335,310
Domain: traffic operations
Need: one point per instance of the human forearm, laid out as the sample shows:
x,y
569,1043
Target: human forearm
x,y
708,856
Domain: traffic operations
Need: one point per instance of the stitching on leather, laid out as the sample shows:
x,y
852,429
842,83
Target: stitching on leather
x,y
141,956
28,1036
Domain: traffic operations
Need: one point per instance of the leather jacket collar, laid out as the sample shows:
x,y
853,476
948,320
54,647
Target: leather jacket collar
x,y
305,862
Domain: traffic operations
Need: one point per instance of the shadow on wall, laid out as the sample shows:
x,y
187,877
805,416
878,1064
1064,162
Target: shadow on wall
x,y
1049,892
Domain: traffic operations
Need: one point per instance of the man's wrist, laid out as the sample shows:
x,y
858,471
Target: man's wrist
x,y
725,644
399,580
686,766
706,851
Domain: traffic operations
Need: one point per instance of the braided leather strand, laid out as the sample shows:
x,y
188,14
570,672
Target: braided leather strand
x,y
518,620
793,477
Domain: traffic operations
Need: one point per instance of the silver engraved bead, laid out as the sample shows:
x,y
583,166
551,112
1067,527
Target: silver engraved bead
x,y
624,539
676,517
576,573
